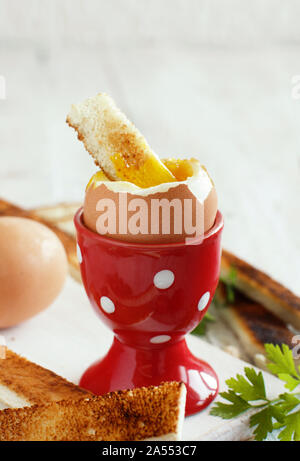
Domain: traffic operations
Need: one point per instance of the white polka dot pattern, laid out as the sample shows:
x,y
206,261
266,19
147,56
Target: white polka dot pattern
x,y
107,305
203,301
79,256
160,339
164,279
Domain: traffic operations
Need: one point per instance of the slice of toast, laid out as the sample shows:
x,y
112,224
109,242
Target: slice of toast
x,y
23,383
260,287
115,144
153,413
58,214
253,325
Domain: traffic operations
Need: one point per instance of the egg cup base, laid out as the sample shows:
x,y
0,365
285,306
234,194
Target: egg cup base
x,y
126,367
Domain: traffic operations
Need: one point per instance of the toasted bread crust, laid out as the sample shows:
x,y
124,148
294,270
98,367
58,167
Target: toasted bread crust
x,y
123,143
35,384
85,143
261,288
115,143
125,415
256,326
60,213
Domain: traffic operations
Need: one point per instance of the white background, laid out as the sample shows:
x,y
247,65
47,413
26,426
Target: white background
x,y
210,79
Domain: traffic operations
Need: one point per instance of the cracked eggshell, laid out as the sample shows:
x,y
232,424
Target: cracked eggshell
x,y
133,218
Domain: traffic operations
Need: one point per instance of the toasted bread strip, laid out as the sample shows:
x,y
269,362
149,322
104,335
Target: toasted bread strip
x,y
115,144
23,383
68,241
252,324
261,288
60,213
139,414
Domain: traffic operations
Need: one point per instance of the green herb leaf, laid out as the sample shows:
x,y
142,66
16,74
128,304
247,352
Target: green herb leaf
x,y
278,413
228,411
251,390
287,402
282,364
232,275
292,428
263,421
291,383
230,294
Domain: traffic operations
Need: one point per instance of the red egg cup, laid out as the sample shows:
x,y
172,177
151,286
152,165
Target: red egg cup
x,y
151,296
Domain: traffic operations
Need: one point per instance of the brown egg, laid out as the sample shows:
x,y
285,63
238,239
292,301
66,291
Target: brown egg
x,y
167,213
33,268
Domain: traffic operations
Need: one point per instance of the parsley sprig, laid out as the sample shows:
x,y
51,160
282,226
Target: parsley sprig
x,y
249,392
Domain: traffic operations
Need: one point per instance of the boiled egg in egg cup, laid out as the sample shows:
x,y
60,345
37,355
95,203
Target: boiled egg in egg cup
x,y
151,288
